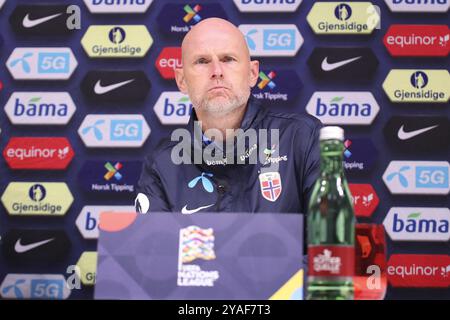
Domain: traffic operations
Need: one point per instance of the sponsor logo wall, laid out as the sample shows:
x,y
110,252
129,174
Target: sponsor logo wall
x,y
81,108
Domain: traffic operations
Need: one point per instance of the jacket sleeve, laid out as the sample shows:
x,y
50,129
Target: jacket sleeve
x,y
311,165
151,196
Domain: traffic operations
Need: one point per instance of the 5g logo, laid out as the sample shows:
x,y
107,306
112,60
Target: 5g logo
x,y
51,62
114,130
126,130
279,39
272,40
432,177
417,177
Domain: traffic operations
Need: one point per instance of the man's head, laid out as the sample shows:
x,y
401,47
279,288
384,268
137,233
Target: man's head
x,y
217,73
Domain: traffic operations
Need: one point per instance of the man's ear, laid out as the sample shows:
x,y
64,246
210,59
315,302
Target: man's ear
x,y
179,77
254,72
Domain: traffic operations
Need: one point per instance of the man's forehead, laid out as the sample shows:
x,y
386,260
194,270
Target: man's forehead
x,y
215,43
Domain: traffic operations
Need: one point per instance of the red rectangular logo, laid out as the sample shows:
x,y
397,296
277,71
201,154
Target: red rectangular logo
x,y
406,40
419,270
38,153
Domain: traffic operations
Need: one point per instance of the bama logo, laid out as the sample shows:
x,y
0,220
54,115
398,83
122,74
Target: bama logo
x,y
173,107
117,41
360,155
418,224
344,108
41,63
118,6
178,18
417,177
87,221
267,5
51,153
34,286
167,61
418,5
109,177
408,40
365,199
272,40
277,85
419,270
343,17
114,130
40,108
409,85
37,198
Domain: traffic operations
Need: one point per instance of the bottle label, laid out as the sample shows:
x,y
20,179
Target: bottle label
x,y
331,261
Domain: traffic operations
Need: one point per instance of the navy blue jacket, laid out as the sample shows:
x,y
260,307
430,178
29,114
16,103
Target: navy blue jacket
x,y
212,186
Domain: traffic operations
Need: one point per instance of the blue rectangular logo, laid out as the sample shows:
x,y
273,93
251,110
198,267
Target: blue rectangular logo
x,y
279,39
47,289
431,177
126,130
53,62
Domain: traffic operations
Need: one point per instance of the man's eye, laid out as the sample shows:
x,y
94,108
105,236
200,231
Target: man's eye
x,y
228,59
201,61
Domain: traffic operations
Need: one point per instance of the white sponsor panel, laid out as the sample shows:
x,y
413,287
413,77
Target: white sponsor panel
x,y
418,224
418,5
267,5
114,130
343,107
40,108
118,6
417,177
88,219
173,107
41,63
272,40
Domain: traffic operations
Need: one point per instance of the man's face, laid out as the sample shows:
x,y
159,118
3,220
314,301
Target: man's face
x,y
217,73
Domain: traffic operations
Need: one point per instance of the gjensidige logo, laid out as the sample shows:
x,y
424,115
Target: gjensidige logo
x,y
417,85
196,243
343,17
121,41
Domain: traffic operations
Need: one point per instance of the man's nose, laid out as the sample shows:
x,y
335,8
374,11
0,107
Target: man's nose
x,y
217,71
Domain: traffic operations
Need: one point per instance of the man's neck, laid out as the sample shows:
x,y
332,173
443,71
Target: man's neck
x,y
225,123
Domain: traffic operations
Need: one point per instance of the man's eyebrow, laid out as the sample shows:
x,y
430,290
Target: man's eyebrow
x,y
207,55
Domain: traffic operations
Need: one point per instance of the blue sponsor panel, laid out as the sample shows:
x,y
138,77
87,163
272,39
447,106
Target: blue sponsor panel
x,y
110,177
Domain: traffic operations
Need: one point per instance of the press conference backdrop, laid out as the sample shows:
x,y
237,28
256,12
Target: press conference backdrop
x,y
78,119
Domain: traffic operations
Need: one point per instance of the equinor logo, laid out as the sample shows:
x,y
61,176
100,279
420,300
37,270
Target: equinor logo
x,y
346,107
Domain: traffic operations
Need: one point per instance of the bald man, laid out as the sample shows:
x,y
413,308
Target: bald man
x,y
252,159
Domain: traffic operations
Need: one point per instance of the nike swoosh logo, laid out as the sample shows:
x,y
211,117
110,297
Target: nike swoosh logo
x,y
24,248
185,210
332,66
402,135
99,89
28,23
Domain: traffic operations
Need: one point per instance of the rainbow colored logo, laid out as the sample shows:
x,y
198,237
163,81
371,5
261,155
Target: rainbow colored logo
x,y
192,13
113,171
196,243
266,80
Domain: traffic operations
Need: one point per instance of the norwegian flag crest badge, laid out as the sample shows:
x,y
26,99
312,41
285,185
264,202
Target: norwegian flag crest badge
x,y
270,185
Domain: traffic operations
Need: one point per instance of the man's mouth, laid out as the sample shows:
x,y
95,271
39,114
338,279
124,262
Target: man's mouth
x,y
218,88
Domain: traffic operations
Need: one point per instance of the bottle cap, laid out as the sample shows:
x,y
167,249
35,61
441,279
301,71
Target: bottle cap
x,y
331,132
